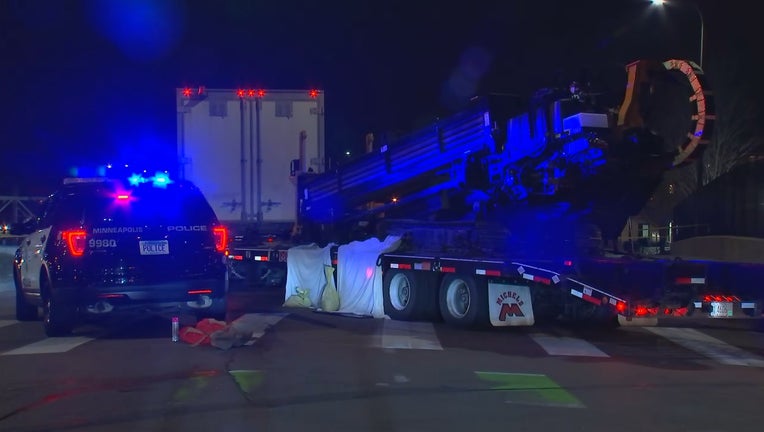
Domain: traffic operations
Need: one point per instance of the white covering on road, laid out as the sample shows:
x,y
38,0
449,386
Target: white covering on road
x,y
359,278
305,270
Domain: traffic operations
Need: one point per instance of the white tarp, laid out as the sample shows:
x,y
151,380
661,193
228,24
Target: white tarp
x,y
305,270
359,278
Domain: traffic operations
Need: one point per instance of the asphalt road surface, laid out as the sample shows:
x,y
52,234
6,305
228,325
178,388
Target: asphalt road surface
x,y
304,370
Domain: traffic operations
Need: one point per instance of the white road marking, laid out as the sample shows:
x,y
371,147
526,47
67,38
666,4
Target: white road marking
x,y
708,346
567,346
50,346
6,323
256,324
407,335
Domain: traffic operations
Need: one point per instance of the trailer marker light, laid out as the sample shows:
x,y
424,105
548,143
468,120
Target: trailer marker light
x,y
261,258
448,269
313,94
620,307
568,263
400,266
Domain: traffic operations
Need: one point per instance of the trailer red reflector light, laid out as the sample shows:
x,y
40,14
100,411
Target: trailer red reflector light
x,y
75,241
448,269
544,281
422,266
488,272
590,299
568,263
690,280
221,238
261,257
238,257
400,266
200,291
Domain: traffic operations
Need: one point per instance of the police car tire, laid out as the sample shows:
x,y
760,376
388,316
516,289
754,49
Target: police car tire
x,y
417,301
24,310
58,314
477,312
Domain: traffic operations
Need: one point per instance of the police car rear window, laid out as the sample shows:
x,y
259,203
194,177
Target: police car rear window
x,y
149,206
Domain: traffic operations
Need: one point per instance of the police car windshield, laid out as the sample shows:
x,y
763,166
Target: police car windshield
x,y
149,205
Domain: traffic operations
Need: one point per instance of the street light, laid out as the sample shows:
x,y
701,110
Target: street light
x,y
702,24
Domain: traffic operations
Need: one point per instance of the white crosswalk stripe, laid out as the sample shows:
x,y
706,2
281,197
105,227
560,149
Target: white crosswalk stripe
x,y
407,335
50,346
6,323
708,346
567,346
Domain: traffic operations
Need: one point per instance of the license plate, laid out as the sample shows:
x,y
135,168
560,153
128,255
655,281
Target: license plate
x,y
721,309
154,247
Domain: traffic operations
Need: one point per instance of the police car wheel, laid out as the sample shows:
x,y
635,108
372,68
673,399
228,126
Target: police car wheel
x,y
58,314
24,310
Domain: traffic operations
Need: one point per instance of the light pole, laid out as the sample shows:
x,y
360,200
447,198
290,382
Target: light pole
x,y
702,24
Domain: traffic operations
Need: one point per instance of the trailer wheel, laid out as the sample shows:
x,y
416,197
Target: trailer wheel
x,y
403,295
462,301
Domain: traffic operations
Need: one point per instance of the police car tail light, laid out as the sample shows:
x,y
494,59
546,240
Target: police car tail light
x,y
75,241
221,238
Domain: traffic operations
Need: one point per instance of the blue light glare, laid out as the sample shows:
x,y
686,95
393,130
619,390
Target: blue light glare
x,y
161,179
136,179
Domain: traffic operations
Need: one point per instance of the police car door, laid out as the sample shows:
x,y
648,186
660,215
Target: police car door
x,y
32,252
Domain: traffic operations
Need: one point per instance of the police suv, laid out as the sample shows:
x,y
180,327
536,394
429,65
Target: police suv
x,y
102,245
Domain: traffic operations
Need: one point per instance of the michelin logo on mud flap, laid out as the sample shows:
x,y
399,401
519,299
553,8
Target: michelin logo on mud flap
x,y
510,305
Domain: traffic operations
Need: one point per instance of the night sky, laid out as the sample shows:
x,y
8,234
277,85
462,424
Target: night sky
x,y
86,82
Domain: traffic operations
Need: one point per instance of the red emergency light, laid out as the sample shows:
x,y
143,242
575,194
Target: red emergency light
x,y
189,92
250,93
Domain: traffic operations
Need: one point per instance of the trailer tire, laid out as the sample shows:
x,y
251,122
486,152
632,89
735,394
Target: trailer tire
x,y
405,296
462,301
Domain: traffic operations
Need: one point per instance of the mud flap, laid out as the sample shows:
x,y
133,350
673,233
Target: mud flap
x,y
510,305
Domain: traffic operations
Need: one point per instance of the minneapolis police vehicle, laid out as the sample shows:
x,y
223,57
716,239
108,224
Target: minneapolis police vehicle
x,y
103,245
